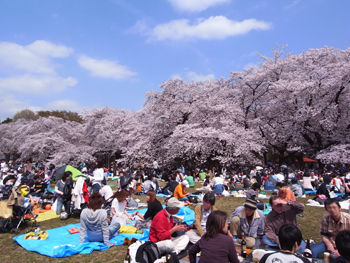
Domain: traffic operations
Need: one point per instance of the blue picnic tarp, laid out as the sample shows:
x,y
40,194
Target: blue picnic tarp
x,y
60,243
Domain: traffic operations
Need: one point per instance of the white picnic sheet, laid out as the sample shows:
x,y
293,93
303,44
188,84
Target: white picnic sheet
x,y
344,204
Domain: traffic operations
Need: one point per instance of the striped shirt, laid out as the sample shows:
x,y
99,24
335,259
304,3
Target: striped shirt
x,y
330,228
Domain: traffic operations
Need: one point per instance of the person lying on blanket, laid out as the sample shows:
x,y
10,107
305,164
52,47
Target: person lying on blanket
x,y
94,222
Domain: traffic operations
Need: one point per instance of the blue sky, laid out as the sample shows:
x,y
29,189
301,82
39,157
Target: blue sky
x,y
75,55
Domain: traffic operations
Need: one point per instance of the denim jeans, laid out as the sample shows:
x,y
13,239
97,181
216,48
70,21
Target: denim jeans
x,y
318,248
98,236
272,244
60,204
218,189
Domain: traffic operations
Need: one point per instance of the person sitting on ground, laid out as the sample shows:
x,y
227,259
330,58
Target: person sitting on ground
x,y
296,188
179,176
246,182
94,222
154,206
171,185
285,193
218,184
216,245
249,220
106,191
332,223
253,192
39,186
290,239
307,182
338,184
6,187
180,193
156,182
201,216
342,242
190,181
163,227
323,188
118,211
206,181
149,184
282,213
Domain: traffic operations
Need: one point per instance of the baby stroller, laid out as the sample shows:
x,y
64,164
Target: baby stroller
x,y
14,213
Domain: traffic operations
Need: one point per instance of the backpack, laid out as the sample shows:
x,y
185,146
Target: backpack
x,y
125,181
172,258
67,190
193,199
147,253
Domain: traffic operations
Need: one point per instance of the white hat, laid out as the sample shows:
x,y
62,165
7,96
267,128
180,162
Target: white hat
x,y
174,203
185,183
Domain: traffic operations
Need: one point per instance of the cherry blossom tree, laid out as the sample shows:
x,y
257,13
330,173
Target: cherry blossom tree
x,y
288,104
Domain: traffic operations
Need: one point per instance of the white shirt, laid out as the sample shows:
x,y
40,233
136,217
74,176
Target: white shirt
x,y
307,183
149,185
119,207
106,192
347,176
205,215
337,183
155,165
280,177
178,178
98,176
218,180
280,257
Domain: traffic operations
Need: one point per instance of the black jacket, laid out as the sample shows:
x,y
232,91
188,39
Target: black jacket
x,y
153,209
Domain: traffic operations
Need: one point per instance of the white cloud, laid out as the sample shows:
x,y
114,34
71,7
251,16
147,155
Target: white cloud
x,y
33,58
9,106
68,105
196,5
45,48
32,84
215,27
195,77
176,76
105,68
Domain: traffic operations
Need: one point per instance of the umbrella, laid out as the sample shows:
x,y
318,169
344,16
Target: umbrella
x,y
75,172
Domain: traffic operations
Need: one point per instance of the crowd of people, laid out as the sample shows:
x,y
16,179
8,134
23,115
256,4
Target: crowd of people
x,y
103,211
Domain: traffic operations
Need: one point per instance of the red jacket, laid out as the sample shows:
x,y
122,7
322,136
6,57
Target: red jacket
x,y
160,227
85,193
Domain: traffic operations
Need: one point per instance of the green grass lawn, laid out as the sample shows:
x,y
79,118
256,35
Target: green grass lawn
x,y
10,252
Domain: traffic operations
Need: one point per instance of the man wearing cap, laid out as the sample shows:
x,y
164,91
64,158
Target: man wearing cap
x,y
179,191
163,227
249,220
